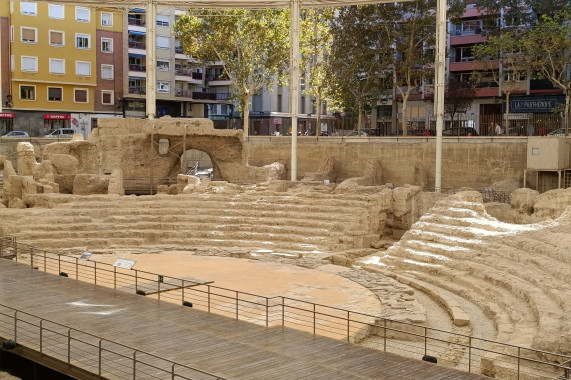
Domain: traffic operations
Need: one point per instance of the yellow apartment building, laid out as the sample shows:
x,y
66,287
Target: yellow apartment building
x,y
62,65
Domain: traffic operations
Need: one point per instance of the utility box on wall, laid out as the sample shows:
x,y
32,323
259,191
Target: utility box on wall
x,y
548,153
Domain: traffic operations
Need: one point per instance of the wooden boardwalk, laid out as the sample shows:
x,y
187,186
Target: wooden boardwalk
x,y
218,345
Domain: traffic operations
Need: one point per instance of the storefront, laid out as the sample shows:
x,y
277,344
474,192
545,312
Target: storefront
x,y
6,122
55,121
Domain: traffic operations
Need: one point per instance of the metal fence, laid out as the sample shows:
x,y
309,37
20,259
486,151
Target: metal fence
x,y
463,352
488,194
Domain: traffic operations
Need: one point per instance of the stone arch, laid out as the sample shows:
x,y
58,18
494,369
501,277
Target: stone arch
x,y
139,146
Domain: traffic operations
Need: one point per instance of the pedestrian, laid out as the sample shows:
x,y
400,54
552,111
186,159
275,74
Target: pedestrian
x,y
542,131
498,129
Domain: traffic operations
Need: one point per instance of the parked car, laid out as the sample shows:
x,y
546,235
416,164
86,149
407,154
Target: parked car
x,y
462,131
557,132
61,132
356,133
20,134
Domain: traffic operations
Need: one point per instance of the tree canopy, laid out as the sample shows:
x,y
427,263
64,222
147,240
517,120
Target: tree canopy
x,y
251,45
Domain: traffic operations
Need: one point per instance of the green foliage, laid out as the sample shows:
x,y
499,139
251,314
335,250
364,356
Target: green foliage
x,y
252,45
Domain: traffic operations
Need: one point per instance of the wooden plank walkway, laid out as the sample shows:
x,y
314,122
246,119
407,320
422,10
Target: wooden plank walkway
x,y
223,346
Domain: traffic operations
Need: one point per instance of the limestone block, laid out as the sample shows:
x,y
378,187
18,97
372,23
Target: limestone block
x,y
278,186
420,175
523,200
551,204
26,158
16,203
84,184
116,183
162,189
193,183
29,186
65,183
341,260
63,163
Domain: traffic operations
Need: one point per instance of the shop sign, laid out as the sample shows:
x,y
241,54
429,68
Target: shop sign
x,y
6,115
49,116
535,104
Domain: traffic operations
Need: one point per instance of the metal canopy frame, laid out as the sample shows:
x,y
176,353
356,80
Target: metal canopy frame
x,y
294,5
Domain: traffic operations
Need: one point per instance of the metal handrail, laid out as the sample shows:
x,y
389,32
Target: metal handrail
x,y
277,305
100,349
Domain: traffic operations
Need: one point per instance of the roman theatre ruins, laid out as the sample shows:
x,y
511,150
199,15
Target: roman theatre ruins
x,y
494,270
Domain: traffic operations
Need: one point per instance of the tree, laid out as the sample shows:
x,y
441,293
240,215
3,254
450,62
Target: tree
x,y
252,46
413,36
458,99
315,49
360,57
548,46
505,63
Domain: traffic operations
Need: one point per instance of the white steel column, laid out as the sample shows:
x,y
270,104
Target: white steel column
x,y
151,46
294,84
440,65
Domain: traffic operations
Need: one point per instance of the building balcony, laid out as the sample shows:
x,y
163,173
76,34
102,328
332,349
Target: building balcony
x,y
472,65
136,21
183,94
219,80
137,45
210,96
486,92
466,38
138,90
138,68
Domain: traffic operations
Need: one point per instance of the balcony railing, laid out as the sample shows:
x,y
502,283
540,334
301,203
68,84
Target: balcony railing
x,y
138,90
183,72
183,94
137,45
217,77
142,68
178,50
136,22
197,76
210,96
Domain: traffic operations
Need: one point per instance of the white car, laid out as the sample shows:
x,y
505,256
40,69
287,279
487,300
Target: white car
x,y
557,132
61,132
356,133
20,134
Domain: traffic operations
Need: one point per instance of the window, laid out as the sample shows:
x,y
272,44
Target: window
x,y
106,71
55,94
56,38
163,65
27,92
107,45
82,41
464,54
28,8
106,19
57,66
80,95
162,20
163,87
29,35
163,42
106,97
29,63
83,68
82,14
56,11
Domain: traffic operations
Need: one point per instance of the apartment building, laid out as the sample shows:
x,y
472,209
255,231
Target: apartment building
x,y
532,101
183,89
61,70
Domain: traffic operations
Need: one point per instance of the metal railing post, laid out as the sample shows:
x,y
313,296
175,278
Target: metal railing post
x,y
99,364
469,354
31,257
158,289
236,304
348,325
518,357
136,280
69,347
267,313
59,264
115,278
209,298
172,371
385,335
16,326
313,319
77,268
182,289
45,262
134,364
1,247
283,311
425,341
41,340
95,272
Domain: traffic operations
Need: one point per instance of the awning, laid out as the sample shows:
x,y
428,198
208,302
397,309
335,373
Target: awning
x,y
136,32
51,116
136,55
6,115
